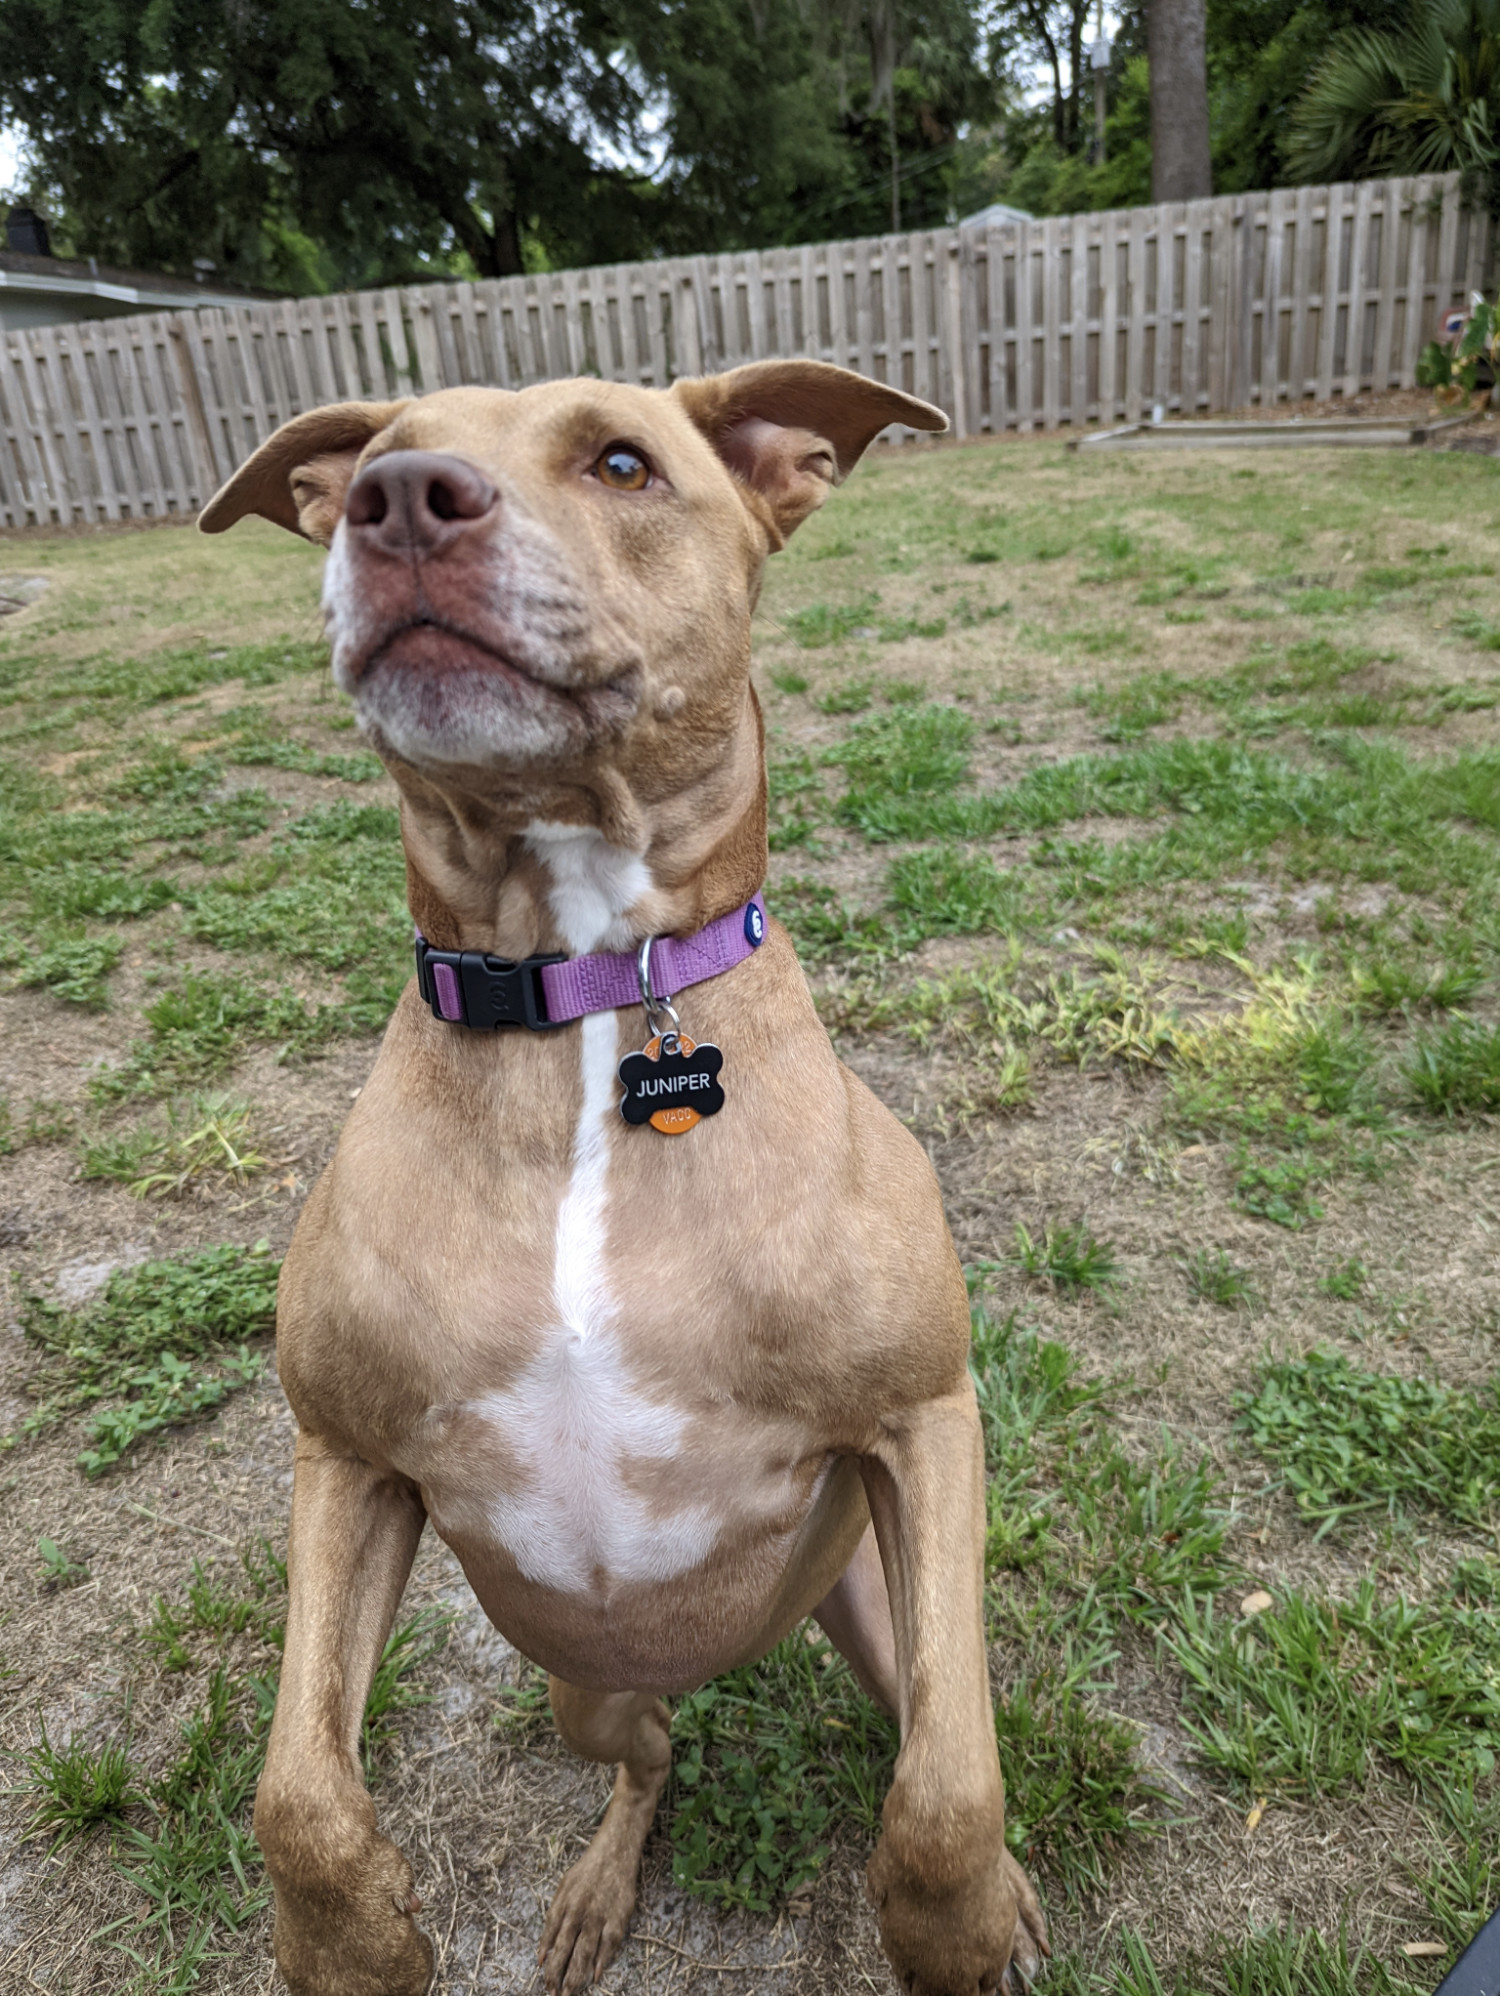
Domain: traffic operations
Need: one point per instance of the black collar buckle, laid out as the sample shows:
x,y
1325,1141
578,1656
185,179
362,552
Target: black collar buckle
x,y
468,988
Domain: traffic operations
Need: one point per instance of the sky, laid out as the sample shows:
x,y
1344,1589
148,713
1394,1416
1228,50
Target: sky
x,y
10,155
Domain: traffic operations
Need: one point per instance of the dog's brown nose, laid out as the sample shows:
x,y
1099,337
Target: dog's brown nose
x,y
417,501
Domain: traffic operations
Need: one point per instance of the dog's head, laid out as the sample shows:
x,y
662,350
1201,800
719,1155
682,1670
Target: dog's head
x,y
519,584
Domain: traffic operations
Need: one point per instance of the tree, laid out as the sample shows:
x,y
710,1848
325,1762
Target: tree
x,y
1050,33
1424,98
313,144
1181,167
196,129
1260,56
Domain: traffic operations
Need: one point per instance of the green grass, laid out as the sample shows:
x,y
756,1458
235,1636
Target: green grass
x,y
166,1342
1213,1278
1271,1961
1307,1696
181,1840
76,1787
409,1648
1069,1258
1347,1442
1456,1071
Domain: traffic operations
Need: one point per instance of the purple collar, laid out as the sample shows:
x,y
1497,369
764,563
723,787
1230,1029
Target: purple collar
x,y
469,988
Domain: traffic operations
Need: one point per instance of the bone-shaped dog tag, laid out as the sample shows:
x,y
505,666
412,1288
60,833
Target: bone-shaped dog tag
x,y
672,1083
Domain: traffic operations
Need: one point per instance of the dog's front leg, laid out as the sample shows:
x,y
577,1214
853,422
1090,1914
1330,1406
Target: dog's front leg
x,y
344,1900
956,1911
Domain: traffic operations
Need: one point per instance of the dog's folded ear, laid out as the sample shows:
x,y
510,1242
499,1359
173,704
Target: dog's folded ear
x,y
790,429
299,476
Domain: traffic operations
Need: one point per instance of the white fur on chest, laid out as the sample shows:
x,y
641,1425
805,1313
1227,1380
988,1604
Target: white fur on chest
x,y
574,1420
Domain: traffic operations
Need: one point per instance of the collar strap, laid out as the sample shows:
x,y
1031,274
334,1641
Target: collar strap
x,y
469,988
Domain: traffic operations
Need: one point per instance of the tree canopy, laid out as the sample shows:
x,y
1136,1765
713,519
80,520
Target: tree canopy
x,y
318,144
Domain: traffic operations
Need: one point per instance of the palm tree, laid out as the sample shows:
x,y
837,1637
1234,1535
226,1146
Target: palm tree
x,y
1423,100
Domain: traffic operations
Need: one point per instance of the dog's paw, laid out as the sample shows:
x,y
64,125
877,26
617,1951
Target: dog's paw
x,y
362,1942
588,1919
986,1934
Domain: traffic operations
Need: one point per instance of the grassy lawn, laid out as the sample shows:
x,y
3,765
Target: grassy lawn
x,y
1139,822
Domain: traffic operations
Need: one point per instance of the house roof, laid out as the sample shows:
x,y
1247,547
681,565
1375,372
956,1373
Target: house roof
x,y
995,217
146,290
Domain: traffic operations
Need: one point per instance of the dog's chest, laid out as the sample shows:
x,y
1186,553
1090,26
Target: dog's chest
x,y
576,1476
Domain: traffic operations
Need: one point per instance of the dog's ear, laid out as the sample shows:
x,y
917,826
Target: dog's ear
x,y
790,429
299,476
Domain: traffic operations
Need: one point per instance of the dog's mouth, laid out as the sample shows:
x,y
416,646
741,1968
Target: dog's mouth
x,y
442,651
433,690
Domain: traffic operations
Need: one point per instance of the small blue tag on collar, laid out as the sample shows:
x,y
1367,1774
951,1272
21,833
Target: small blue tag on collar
x,y
755,926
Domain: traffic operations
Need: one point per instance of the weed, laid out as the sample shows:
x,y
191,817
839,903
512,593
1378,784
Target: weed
x,y
173,674
57,1569
768,1756
1279,1189
1127,711
823,624
787,681
912,751
361,767
77,1787
1068,1257
407,1648
1462,1881
1456,1070
1345,1280
1213,1278
1346,1440
166,1341
204,1138
795,800
825,926
850,696
950,892
196,1864
75,970
199,1028
1074,1790
1391,984
217,1611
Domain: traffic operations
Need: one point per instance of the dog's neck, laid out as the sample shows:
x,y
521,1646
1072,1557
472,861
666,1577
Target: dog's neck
x,y
597,863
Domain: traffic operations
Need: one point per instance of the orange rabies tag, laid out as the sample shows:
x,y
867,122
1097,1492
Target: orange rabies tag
x,y
671,1122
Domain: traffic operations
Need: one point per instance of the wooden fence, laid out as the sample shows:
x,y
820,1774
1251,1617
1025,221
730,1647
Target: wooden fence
x,y
1196,307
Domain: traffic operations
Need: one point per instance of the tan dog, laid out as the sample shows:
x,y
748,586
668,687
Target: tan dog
x,y
654,1391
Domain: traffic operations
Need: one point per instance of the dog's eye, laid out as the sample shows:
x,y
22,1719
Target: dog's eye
x,y
623,468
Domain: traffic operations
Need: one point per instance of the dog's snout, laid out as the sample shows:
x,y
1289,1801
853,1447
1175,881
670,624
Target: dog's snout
x,y
417,500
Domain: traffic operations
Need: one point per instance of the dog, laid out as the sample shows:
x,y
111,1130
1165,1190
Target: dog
x,y
666,1382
